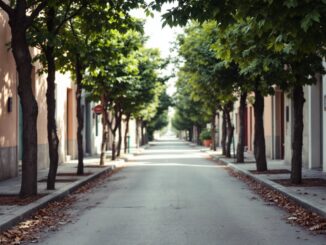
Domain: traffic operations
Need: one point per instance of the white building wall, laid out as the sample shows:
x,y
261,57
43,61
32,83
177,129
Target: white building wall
x,y
310,148
288,129
314,125
96,132
132,134
305,147
235,122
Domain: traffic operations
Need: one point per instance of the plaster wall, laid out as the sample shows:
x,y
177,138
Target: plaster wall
x,y
8,91
251,127
324,120
289,130
9,120
8,88
235,122
314,125
39,85
132,134
66,117
305,148
97,131
268,125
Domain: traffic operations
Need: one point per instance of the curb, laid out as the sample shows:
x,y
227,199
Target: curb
x,y
319,209
25,211
307,204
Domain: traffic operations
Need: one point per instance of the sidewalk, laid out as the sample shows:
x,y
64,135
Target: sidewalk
x,y
312,198
66,183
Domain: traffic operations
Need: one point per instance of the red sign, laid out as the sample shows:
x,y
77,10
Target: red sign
x,y
98,109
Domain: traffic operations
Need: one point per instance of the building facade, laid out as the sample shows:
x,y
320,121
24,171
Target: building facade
x,y
278,125
11,148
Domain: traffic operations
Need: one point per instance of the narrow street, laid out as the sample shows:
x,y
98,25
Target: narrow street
x,y
173,194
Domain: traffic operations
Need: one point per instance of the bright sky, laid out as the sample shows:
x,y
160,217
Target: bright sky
x,y
160,37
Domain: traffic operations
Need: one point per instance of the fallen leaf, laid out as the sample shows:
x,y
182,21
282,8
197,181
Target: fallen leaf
x,y
318,227
292,218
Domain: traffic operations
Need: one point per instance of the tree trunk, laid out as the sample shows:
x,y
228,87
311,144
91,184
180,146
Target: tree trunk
x,y
194,130
127,143
213,132
241,141
145,131
119,138
198,133
53,139
190,135
224,127
259,138
296,162
230,130
80,117
23,61
108,139
105,130
114,127
113,157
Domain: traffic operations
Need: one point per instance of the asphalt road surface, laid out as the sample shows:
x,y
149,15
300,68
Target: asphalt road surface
x,y
172,194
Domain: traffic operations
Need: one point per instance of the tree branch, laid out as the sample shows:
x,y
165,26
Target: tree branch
x,y
6,8
36,11
73,30
117,119
68,18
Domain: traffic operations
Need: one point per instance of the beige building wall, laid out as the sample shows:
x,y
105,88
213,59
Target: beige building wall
x,y
251,127
8,92
65,105
66,117
10,129
71,123
268,125
39,88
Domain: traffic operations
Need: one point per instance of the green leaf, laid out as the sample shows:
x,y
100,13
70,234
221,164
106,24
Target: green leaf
x,y
309,19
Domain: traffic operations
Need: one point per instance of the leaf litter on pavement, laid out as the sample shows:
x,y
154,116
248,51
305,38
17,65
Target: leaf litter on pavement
x,y
49,218
9,200
297,214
